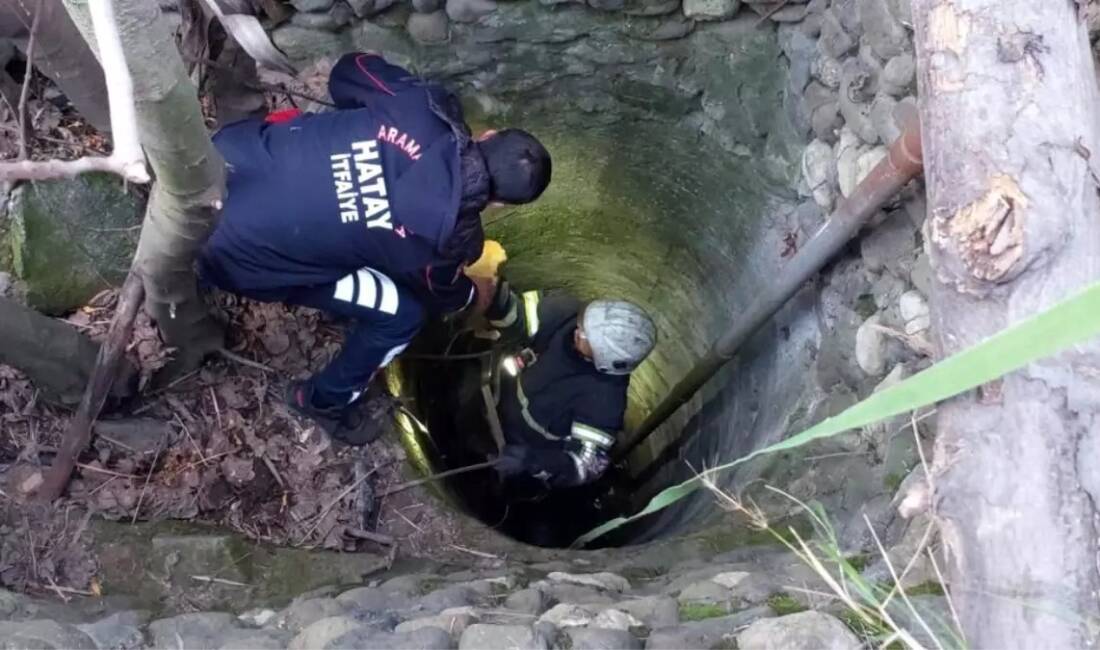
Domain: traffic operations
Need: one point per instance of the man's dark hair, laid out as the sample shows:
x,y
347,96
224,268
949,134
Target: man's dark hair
x,y
519,166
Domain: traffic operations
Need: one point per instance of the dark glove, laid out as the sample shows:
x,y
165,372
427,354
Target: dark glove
x,y
501,310
512,461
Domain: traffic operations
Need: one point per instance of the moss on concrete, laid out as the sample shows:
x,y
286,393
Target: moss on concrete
x,y
930,588
860,561
156,562
69,239
727,537
892,482
784,604
701,611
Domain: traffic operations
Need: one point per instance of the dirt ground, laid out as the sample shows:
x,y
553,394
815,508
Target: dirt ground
x,y
218,446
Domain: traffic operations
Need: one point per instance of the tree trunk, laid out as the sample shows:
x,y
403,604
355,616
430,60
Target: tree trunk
x,y
56,357
190,178
1008,101
61,54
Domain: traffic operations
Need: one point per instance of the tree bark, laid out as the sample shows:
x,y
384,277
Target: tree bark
x,y
190,178
56,357
60,54
1008,101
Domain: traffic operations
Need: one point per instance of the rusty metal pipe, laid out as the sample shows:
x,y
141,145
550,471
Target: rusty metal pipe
x,y
903,164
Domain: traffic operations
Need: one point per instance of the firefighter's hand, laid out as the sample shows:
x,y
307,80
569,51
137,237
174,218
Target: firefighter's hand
x,y
486,290
512,461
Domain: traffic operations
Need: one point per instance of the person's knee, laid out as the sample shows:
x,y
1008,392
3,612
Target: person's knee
x,y
402,324
409,318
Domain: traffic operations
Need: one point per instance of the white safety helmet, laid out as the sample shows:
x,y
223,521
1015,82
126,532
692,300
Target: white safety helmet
x,y
620,333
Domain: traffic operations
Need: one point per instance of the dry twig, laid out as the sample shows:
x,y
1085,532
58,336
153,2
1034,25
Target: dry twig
x,y
409,521
244,361
60,589
324,511
21,114
435,477
30,546
771,12
108,472
145,487
206,459
378,538
274,471
220,581
488,556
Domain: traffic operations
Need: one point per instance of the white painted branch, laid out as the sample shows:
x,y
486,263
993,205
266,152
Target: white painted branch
x,y
42,170
120,93
127,159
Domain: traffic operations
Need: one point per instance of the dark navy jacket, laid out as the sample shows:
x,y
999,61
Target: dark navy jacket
x,y
314,197
561,400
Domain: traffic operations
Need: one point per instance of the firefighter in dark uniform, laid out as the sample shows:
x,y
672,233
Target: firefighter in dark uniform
x,y
369,212
564,393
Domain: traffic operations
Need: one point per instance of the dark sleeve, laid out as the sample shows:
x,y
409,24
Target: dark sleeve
x,y
358,79
585,454
446,289
602,408
241,145
554,309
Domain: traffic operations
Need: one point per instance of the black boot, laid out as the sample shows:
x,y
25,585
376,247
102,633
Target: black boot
x,y
356,424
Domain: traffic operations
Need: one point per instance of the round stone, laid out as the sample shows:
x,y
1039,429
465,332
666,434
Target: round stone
x,y
711,9
427,6
428,28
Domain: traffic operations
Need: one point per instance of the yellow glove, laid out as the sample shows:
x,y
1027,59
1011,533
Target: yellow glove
x,y
487,266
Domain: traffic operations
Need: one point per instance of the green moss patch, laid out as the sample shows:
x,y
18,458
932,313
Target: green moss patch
x,y
701,611
784,604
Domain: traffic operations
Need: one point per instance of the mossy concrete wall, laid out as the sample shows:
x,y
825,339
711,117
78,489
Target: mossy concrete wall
x,y
66,240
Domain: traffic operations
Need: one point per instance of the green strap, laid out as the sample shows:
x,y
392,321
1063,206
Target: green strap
x,y
1070,322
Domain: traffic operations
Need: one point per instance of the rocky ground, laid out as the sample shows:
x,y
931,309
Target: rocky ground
x,y
755,600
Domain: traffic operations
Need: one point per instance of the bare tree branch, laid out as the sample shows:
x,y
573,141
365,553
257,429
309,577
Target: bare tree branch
x,y
21,111
127,159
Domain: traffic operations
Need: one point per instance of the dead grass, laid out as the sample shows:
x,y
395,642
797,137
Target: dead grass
x,y
870,609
